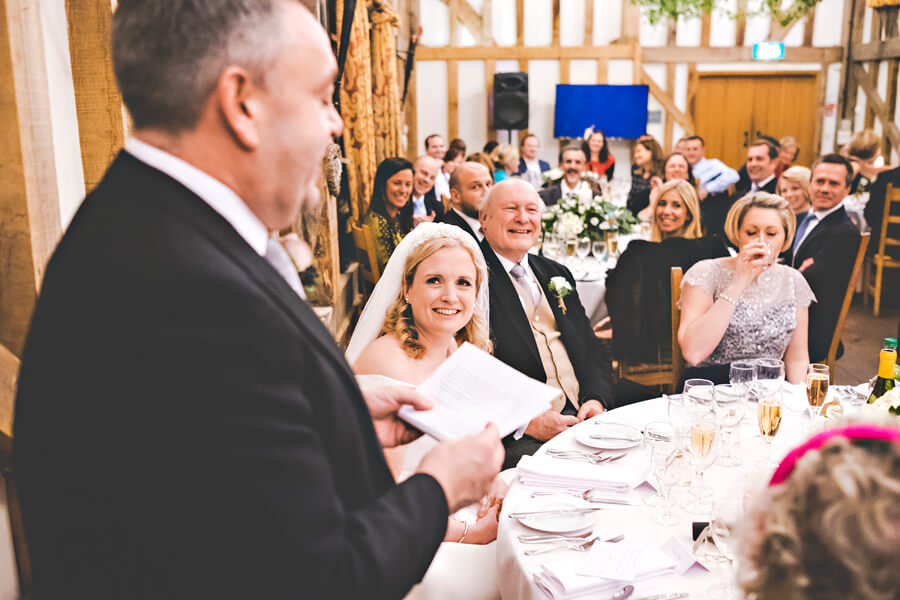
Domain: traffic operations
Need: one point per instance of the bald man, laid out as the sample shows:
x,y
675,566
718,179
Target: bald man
x,y
542,332
469,184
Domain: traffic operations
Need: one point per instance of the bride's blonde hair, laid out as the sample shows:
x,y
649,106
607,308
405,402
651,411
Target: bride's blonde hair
x,y
399,321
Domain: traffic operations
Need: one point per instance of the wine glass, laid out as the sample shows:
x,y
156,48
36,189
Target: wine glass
x,y
679,417
658,440
698,391
703,448
727,517
672,460
598,247
768,416
742,374
729,410
769,375
582,249
550,247
817,376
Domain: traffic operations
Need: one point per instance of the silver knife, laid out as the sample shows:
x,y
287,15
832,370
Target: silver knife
x,y
558,511
618,438
674,596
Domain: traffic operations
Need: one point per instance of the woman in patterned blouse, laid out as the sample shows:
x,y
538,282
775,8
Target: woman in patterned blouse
x,y
390,213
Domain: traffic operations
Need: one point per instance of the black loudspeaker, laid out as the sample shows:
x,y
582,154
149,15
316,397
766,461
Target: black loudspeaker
x,y
511,101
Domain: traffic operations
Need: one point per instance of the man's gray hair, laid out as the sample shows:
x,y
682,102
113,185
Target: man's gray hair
x,y
168,55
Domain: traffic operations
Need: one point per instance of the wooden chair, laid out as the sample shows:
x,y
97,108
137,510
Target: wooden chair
x,y
9,370
365,252
877,263
848,297
665,373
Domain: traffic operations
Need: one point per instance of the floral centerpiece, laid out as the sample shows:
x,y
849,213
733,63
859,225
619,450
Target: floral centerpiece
x,y
583,214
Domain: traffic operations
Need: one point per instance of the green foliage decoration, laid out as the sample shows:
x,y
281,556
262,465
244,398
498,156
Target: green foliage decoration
x,y
657,10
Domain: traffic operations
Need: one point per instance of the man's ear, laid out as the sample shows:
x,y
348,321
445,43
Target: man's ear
x,y
238,99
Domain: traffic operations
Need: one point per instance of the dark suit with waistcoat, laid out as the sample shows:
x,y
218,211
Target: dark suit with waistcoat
x,y
514,341
832,245
187,428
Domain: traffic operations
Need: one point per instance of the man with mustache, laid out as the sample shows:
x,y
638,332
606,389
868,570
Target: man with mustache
x,y
571,161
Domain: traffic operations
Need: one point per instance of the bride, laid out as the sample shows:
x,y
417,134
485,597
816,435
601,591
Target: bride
x,y
431,298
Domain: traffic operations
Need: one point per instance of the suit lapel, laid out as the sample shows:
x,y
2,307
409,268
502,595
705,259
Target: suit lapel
x,y
821,229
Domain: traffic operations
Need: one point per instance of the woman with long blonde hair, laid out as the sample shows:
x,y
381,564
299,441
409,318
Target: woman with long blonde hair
x,y
676,212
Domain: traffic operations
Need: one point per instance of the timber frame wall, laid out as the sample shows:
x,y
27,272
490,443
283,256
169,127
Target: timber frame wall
x,y
626,47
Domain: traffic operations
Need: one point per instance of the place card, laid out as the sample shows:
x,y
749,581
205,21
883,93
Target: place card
x,y
682,555
625,562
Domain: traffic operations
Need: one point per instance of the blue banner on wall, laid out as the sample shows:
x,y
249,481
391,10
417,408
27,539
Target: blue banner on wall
x,y
617,110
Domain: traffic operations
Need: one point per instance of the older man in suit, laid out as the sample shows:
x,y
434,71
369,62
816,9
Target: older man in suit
x,y
824,249
185,426
538,324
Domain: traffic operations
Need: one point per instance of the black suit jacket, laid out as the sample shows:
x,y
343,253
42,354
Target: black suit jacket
x,y
187,428
451,218
433,205
551,195
832,245
714,209
514,341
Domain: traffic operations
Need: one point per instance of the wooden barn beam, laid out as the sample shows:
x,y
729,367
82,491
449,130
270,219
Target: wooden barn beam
x,y
101,131
622,52
876,104
684,54
465,14
809,27
667,102
854,18
872,51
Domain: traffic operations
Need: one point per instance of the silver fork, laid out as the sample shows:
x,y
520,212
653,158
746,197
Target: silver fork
x,y
542,538
586,457
582,546
586,495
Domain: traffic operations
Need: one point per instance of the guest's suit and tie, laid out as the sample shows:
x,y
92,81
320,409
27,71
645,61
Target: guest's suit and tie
x,y
715,207
187,428
828,252
514,338
432,204
451,217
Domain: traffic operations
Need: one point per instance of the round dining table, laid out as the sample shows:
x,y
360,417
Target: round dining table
x,y
516,570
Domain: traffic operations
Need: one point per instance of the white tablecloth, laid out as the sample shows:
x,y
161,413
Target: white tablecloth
x,y
515,569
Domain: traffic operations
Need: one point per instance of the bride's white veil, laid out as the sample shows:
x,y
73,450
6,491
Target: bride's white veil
x,y
388,288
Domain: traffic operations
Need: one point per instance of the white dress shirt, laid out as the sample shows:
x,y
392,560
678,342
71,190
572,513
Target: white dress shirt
x,y
714,175
818,216
529,276
419,206
475,224
216,194
565,190
442,185
755,187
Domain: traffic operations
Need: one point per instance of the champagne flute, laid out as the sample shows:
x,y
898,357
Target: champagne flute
x,y
613,244
599,250
571,242
817,376
582,249
703,449
768,416
729,410
658,441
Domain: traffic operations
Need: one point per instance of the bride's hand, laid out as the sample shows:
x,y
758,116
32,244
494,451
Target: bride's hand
x,y
484,530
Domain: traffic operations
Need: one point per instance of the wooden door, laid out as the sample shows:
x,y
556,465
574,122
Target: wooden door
x,y
731,110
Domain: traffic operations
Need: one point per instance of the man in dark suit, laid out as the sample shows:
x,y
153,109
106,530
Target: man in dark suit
x,y
762,158
538,324
824,249
185,426
469,183
571,161
426,206
530,166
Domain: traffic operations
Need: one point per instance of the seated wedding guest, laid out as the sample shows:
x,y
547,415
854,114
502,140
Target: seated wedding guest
x,y
435,147
647,163
489,146
571,162
484,159
455,155
390,214
747,306
676,212
787,154
468,186
824,249
713,176
676,167
459,144
186,427
530,166
744,182
762,156
827,527
426,206
864,152
599,159
793,186
506,160
538,324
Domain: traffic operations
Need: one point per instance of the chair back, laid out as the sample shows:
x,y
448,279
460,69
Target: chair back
x,y
848,295
677,356
20,569
891,196
365,252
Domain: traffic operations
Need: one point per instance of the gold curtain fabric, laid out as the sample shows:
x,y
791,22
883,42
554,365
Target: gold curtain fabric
x,y
881,3
385,82
356,110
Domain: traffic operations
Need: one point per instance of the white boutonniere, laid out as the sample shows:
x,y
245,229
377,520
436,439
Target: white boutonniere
x,y
561,288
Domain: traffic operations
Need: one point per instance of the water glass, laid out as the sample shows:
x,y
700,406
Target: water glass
x,y
679,417
583,248
658,440
769,375
550,247
727,517
599,249
730,406
699,391
673,462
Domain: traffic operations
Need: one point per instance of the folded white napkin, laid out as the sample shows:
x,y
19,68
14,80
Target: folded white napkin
x,y
559,576
793,395
547,472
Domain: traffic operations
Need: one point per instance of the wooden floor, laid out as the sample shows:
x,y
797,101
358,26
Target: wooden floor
x,y
862,337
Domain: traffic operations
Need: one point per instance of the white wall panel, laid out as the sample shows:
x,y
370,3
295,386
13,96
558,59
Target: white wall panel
x,y
832,89
571,22
543,75
607,21
472,104
431,100
538,22
503,22
828,23
722,28
688,32
434,16
583,72
620,72
653,36
758,23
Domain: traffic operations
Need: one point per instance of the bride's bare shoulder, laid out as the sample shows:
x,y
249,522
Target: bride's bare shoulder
x,y
384,356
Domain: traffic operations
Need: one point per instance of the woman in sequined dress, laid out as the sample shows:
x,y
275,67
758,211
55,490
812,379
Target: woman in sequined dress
x,y
390,214
747,306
